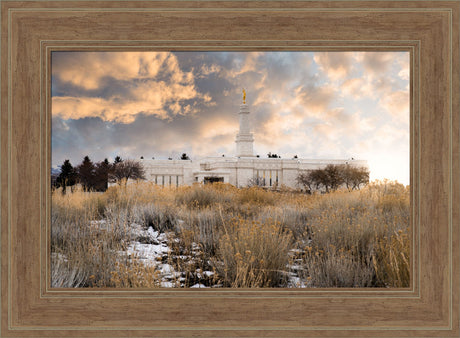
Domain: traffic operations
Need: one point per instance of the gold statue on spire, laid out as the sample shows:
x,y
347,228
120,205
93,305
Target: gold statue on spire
x,y
244,96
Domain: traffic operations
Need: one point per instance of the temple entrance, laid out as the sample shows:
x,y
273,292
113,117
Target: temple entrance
x,y
213,180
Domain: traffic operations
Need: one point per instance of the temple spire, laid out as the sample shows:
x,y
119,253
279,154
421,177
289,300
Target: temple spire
x,y
244,138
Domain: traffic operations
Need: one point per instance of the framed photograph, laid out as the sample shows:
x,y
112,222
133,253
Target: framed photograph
x,y
223,168
307,213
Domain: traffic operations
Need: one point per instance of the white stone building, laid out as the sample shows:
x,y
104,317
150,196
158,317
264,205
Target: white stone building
x,y
241,170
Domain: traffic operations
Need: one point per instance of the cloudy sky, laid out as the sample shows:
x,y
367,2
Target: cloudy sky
x,y
324,105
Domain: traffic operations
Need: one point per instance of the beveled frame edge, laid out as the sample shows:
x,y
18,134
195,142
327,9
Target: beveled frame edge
x,y
450,173
47,47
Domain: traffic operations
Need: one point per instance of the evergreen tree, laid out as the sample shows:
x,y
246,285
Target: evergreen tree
x,y
67,177
270,155
86,173
118,159
102,175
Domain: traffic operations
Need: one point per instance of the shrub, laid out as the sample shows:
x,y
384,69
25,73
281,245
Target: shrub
x,y
256,195
336,268
205,227
134,274
199,196
84,249
392,260
290,217
359,238
161,217
253,254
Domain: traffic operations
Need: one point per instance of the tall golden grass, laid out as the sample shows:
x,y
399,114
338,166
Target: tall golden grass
x,y
247,237
253,254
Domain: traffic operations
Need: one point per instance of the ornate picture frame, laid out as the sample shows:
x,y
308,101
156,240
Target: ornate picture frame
x,y
428,30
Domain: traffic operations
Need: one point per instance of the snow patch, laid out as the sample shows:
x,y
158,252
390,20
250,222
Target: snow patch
x,y
199,286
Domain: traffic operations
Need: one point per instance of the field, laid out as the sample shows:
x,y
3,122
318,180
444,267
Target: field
x,y
145,236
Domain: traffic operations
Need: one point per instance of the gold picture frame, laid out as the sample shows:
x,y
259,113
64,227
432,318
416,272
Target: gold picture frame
x,y
31,30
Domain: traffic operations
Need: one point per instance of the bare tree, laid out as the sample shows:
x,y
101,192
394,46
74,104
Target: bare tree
x,y
305,180
359,177
333,177
125,170
346,172
320,179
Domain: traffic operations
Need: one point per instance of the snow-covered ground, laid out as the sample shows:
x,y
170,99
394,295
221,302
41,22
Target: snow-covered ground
x,y
154,249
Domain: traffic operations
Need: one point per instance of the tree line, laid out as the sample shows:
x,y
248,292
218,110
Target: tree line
x,y
97,176
334,176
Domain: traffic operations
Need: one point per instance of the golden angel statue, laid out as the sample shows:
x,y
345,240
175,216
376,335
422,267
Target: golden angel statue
x,y
244,96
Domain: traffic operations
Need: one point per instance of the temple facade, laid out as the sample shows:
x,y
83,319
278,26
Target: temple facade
x,y
241,170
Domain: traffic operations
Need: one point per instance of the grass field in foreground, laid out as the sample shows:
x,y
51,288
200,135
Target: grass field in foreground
x,y
217,235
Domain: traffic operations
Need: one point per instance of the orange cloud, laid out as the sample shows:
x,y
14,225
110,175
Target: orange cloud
x,y
376,63
144,94
354,87
88,69
397,104
218,127
404,64
337,65
315,99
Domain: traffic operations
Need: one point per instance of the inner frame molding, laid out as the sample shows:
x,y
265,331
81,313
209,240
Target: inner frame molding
x,y
429,30
47,47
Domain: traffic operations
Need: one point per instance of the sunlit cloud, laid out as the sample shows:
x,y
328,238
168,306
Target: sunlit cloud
x,y
153,84
206,70
397,104
218,127
375,63
314,98
87,70
355,87
336,65
405,71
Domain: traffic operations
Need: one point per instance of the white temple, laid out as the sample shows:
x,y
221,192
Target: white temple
x,y
242,170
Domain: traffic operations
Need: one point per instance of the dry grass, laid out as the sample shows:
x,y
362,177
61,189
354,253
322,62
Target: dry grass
x,y
84,248
253,254
134,274
362,230
248,237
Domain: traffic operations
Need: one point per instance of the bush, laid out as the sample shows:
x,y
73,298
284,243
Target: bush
x,y
253,254
134,274
392,260
84,249
256,195
205,226
359,239
161,217
199,196
336,268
